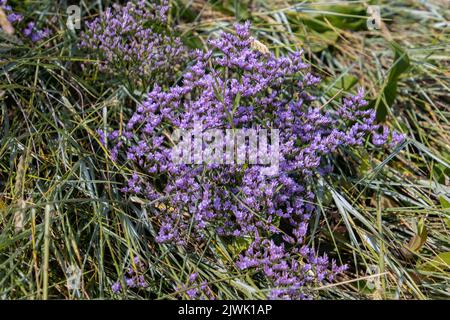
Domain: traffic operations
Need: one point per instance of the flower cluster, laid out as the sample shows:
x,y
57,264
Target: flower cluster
x,y
285,271
133,42
35,34
134,279
232,86
30,31
196,288
12,16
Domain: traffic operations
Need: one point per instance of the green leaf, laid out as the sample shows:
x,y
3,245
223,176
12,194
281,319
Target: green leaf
x,y
184,10
444,203
440,173
239,244
388,93
419,239
438,263
347,82
343,17
325,39
240,9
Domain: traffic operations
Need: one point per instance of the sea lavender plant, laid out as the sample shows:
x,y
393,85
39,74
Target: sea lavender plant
x,y
232,86
133,42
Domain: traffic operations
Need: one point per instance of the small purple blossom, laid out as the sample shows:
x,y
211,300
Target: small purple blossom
x,y
192,293
135,277
14,17
196,288
36,34
28,31
397,138
193,277
39,35
116,287
380,139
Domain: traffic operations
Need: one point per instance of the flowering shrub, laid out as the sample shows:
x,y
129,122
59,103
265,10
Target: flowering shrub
x,y
236,85
133,42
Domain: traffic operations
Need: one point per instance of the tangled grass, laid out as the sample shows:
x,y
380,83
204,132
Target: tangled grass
x,y
383,213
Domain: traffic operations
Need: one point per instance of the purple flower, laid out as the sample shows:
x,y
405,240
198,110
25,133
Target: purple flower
x,y
35,34
193,277
397,138
28,31
380,139
38,35
116,287
192,293
14,17
131,282
135,278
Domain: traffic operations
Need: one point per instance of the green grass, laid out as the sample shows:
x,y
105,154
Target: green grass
x,y
387,215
